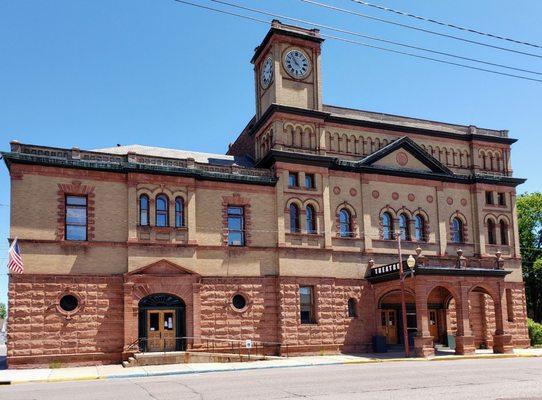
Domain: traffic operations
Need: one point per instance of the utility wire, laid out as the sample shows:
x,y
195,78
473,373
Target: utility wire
x,y
387,21
348,32
434,21
364,44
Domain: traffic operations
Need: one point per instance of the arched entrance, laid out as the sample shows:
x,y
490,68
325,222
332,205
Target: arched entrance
x,y
161,323
482,314
442,316
390,318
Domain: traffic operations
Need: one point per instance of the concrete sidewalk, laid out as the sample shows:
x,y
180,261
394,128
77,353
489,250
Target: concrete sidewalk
x,y
118,371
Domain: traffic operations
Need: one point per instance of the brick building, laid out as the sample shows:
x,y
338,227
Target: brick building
x,y
290,239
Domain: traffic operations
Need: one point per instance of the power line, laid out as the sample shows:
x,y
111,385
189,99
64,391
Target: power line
x,y
348,32
387,21
365,44
432,59
434,21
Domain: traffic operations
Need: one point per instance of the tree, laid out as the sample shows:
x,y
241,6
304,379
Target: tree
x,y
529,207
2,311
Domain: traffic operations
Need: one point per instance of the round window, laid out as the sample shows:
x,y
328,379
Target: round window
x,y
239,302
68,303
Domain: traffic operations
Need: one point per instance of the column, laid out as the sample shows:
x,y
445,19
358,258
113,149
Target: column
x,y
130,321
464,341
191,215
502,343
282,176
423,342
196,315
366,227
133,206
442,234
328,217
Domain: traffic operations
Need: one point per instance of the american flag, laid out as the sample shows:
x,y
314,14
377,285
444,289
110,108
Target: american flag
x,y
15,261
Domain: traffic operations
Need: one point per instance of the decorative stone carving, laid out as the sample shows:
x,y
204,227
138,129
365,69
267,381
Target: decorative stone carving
x,y
461,261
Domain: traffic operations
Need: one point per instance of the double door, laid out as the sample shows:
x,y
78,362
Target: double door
x,y
161,330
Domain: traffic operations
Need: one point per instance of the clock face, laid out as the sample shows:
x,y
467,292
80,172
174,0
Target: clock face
x,y
297,64
267,72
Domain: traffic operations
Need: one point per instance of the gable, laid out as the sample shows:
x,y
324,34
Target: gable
x,y
401,159
405,154
163,268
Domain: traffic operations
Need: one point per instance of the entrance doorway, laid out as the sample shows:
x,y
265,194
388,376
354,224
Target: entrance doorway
x,y
390,318
388,325
161,323
161,330
434,325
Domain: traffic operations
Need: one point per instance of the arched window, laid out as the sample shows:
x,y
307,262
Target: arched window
x,y
504,232
162,210
144,210
404,227
311,219
179,212
352,308
345,223
457,230
419,225
294,218
387,226
491,238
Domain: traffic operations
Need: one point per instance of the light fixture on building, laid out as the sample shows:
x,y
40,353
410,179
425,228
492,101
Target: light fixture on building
x,y
411,262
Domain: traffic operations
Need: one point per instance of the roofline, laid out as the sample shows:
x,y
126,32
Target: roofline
x,y
329,117
416,119
128,167
337,164
274,30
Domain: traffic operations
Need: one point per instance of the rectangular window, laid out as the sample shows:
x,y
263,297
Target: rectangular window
x,y
502,199
309,181
509,305
76,218
489,197
236,226
306,299
293,179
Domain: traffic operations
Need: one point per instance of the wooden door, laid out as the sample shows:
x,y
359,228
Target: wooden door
x,y
161,330
168,331
433,325
388,324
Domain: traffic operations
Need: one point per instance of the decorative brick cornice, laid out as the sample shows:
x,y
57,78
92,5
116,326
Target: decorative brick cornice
x,y
78,189
236,200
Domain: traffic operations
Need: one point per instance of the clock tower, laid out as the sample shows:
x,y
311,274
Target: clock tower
x,y
287,68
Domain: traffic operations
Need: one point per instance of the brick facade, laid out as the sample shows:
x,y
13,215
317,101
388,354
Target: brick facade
x,y
360,161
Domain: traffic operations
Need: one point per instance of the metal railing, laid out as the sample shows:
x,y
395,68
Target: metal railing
x,y
241,347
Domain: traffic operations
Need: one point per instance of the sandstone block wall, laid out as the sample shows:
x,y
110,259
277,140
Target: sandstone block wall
x,y
39,334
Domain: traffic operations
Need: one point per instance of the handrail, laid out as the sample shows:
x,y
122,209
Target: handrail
x,y
212,344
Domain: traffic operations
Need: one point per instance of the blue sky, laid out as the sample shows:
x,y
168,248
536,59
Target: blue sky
x,y
96,73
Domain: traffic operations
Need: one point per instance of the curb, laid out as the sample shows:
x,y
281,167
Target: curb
x,y
144,374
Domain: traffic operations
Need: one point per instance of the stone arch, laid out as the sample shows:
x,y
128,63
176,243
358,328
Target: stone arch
x,y
485,315
295,200
352,144
389,209
394,291
348,206
442,304
312,202
152,305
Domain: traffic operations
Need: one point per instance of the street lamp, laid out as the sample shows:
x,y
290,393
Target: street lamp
x,y
411,263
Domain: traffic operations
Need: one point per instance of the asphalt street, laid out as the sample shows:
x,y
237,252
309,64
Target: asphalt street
x,y
503,379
